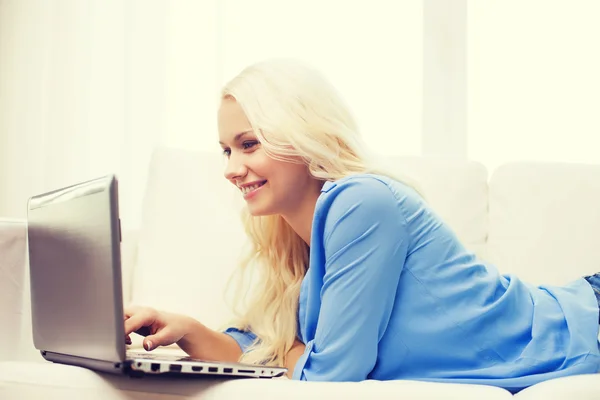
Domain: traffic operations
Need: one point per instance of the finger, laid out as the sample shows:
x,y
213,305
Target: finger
x,y
130,311
137,321
164,337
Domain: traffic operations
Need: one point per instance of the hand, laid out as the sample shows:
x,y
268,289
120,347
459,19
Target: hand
x,y
160,328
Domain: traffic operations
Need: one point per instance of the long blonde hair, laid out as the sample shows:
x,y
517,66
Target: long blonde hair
x,y
294,112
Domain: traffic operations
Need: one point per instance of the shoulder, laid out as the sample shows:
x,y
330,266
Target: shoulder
x,y
361,187
354,181
360,195
359,207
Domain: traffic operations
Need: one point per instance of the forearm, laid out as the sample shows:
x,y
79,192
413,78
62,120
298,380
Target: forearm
x,y
292,357
203,343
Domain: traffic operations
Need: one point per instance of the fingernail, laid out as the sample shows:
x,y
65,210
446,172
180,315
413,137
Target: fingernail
x,y
148,345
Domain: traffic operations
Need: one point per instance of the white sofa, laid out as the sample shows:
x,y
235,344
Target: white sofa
x,y
538,220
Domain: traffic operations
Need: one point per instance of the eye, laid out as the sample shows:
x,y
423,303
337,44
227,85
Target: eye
x,y
248,144
227,152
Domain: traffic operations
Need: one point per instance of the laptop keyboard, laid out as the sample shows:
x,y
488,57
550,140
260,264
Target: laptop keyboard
x,y
160,357
144,356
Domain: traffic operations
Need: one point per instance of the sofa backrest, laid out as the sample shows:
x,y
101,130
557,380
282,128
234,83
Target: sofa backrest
x,y
544,221
457,190
191,236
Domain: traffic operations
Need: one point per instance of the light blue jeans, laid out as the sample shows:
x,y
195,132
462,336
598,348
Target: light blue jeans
x,y
594,281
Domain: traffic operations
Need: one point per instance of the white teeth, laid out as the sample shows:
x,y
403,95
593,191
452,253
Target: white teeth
x,y
247,189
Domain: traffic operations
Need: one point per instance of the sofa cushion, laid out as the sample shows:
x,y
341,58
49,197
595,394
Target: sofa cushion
x,y
544,221
580,387
52,381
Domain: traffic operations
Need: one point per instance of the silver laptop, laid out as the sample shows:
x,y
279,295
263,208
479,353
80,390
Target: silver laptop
x,y
74,237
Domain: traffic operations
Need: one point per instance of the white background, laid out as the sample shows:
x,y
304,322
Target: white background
x,y
89,87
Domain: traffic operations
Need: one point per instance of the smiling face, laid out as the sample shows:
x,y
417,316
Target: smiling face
x,y
269,186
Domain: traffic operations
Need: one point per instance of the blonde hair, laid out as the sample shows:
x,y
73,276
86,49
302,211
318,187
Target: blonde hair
x,y
294,112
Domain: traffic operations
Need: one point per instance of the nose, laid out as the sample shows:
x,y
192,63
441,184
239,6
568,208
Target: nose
x,y
235,167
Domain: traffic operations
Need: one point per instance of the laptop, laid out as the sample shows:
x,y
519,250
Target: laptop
x,y
74,236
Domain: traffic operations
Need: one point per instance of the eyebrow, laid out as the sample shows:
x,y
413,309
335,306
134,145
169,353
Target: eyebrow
x,y
238,136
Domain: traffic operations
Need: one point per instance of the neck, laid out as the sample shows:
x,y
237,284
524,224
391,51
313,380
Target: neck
x,y
301,219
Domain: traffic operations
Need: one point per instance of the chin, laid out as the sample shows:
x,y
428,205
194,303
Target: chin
x,y
259,211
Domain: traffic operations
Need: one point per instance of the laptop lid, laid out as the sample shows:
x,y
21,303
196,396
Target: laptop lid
x,y
75,269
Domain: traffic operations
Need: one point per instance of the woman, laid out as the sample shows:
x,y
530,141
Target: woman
x,y
360,279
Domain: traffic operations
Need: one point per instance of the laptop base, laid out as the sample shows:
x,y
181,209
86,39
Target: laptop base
x,y
165,365
97,365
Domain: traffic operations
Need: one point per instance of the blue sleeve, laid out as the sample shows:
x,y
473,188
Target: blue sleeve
x,y
365,246
243,338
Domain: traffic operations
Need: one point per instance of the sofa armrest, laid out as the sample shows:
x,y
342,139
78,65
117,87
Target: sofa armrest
x,y
12,285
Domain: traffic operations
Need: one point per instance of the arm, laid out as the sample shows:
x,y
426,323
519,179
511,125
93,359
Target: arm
x,y
204,343
163,328
293,356
244,339
365,246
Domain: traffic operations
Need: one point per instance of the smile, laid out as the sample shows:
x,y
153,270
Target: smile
x,y
249,189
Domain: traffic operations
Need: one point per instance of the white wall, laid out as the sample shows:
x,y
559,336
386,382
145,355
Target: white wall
x,y
534,81
444,116
371,50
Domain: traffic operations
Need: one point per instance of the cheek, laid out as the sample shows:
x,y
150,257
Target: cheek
x,y
262,164
291,177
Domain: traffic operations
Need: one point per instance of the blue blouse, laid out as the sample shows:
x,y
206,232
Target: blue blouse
x,y
391,293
